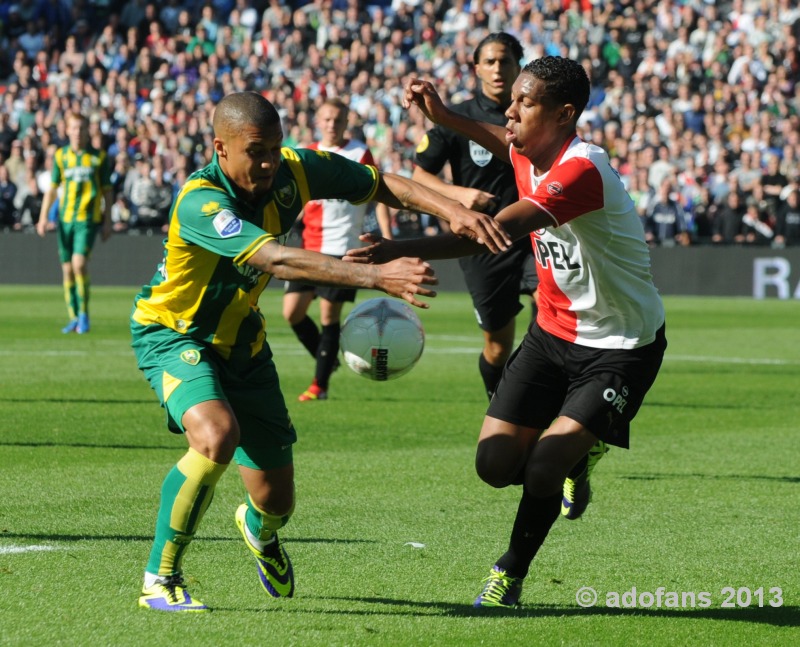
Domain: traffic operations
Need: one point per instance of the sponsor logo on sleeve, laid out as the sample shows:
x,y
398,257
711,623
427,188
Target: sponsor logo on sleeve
x,y
423,144
555,188
227,224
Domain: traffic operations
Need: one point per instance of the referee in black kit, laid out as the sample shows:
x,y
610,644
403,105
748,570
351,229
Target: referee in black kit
x,y
484,183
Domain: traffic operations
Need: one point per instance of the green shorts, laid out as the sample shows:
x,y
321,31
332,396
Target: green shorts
x,y
184,372
76,238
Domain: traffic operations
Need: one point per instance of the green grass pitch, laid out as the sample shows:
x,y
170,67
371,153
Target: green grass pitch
x,y
707,498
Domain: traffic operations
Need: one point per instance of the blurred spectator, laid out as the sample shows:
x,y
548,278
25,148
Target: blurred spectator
x,y
28,213
787,221
8,191
728,226
665,220
773,182
703,211
150,198
15,164
757,224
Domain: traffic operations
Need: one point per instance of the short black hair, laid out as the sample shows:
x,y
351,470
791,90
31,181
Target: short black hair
x,y
565,80
240,108
501,37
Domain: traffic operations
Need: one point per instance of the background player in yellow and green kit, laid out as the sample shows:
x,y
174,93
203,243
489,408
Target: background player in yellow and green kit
x,y
199,336
84,209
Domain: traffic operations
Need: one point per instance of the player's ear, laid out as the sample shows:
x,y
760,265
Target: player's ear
x,y
219,148
566,114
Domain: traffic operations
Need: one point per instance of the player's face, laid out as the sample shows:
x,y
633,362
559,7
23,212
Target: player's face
x,y
77,133
250,158
331,122
497,69
535,126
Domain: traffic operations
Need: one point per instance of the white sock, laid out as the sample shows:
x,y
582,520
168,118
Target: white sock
x,y
258,543
150,579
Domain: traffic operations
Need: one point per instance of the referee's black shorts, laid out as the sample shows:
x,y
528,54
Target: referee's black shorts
x,y
602,389
495,282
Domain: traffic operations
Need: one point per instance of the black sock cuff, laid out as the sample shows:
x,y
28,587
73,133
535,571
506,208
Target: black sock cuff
x,y
307,323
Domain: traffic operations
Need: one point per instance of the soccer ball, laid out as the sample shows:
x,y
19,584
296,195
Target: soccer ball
x,y
382,339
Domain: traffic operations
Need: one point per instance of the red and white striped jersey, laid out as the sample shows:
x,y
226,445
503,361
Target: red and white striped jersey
x,y
595,284
333,226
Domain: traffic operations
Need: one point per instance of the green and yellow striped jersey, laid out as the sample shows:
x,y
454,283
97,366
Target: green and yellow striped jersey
x,y
203,287
85,175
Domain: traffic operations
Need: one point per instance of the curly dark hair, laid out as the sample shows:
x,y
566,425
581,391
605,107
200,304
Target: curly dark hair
x,y
501,37
565,80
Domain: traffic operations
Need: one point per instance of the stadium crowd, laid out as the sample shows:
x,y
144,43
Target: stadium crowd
x,y
697,101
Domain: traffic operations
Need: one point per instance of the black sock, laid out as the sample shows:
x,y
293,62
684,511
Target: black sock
x,y
308,334
535,517
327,354
579,467
490,374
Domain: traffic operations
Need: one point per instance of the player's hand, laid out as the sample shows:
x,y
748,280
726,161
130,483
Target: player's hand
x,y
424,95
41,228
481,228
476,199
379,250
406,278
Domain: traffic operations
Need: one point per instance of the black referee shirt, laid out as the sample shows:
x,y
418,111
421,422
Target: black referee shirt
x,y
472,165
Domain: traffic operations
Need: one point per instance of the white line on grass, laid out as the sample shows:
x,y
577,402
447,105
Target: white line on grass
x,y
291,349
5,550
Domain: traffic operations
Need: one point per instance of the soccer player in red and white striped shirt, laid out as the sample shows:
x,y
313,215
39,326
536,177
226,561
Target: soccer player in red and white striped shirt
x,y
584,367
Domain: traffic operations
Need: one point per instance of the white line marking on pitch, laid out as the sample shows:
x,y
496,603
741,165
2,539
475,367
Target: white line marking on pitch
x,y
291,349
5,550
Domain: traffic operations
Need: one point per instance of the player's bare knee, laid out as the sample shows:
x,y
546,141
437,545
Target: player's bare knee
x,y
214,439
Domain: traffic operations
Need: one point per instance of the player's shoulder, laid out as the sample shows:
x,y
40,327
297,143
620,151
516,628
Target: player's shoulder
x,y
303,156
204,193
466,107
582,149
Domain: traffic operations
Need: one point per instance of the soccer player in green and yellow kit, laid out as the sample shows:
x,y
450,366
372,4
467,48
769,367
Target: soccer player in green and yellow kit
x,y
199,336
84,209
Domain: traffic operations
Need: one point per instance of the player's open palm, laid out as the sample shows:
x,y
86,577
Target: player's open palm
x,y
406,278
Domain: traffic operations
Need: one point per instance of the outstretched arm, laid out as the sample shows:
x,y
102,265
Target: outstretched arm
x,y
402,193
405,277
491,137
470,197
519,219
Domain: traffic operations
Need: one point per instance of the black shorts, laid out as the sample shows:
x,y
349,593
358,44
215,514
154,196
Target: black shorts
x,y
332,294
495,282
547,377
